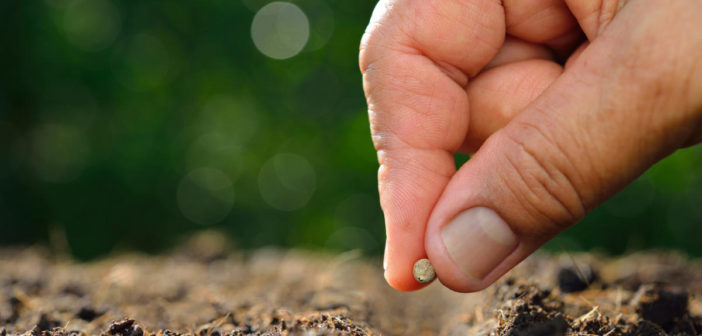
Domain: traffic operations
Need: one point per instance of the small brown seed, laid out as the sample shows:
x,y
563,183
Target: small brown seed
x,y
423,271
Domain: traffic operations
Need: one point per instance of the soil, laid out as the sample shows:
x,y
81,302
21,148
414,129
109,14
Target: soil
x,y
204,289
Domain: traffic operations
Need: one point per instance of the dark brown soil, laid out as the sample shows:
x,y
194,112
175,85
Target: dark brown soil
x,y
204,290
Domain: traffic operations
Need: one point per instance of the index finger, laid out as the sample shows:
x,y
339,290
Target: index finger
x,y
416,57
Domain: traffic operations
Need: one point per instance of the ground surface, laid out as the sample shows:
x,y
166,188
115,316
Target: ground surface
x,y
204,290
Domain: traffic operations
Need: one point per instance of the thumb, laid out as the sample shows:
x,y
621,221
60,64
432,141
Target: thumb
x,y
621,106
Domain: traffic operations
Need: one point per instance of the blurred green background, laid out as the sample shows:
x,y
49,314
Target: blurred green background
x,y
131,124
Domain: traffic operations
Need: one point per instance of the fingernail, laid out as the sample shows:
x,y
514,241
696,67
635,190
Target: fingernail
x,y
478,240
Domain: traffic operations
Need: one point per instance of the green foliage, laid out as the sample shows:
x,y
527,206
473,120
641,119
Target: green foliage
x,y
128,124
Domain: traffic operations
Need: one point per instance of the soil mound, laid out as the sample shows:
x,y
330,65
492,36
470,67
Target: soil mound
x,y
277,292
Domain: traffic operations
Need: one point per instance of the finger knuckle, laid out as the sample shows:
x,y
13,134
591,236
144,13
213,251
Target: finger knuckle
x,y
375,35
545,179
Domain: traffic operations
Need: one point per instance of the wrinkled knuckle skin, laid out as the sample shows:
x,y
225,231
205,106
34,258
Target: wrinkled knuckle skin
x,y
364,55
366,49
377,33
541,179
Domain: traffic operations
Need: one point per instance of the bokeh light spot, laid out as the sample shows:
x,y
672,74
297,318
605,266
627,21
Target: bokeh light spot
x,y
58,152
205,196
280,30
91,25
287,181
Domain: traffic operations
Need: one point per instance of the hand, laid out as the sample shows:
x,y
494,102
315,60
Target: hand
x,y
551,142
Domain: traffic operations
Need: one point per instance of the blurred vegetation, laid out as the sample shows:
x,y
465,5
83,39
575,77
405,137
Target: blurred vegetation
x,y
130,124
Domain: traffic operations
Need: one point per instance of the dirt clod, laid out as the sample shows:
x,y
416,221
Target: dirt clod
x,y
529,310
593,323
88,313
121,327
646,328
526,319
660,306
46,323
573,279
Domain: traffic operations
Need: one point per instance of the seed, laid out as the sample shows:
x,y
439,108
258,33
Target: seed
x,y
423,271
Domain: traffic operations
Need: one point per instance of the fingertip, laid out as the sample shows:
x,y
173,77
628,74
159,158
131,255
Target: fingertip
x,y
398,273
406,196
403,283
403,247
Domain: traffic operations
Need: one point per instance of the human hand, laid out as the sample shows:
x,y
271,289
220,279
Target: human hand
x,y
550,142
